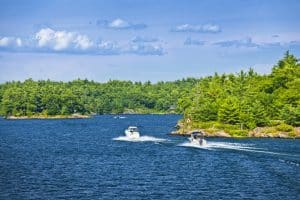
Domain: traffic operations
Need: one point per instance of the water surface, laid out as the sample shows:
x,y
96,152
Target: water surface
x,y
87,159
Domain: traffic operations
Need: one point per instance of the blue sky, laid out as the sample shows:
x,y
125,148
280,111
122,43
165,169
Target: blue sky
x,y
143,40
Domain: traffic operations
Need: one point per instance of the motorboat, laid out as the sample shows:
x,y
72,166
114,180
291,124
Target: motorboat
x,y
132,132
197,138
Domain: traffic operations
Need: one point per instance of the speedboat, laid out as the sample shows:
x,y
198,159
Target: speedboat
x,y
132,132
197,138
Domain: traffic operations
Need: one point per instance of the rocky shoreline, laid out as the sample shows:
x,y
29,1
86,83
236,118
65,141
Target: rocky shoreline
x,y
205,133
259,132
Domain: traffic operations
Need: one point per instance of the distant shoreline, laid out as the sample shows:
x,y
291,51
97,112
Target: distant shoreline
x,y
73,116
76,116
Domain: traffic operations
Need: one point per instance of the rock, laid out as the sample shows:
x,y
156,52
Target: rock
x,y
222,134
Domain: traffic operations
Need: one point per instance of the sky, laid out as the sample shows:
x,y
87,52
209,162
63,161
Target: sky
x,y
141,40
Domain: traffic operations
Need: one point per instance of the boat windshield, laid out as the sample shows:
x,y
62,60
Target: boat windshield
x,y
197,135
133,129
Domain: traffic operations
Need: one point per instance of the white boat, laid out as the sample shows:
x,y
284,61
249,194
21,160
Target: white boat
x,y
132,132
197,138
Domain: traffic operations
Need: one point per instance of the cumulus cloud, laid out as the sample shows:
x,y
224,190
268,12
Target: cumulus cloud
x,y
71,42
48,40
10,42
62,40
83,42
120,24
190,41
205,28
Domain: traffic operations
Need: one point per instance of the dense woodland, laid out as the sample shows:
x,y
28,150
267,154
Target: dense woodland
x,y
247,99
86,97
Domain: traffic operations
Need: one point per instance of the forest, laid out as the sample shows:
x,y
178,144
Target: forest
x,y
246,99
48,98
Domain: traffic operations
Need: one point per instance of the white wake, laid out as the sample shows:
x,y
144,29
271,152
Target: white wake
x,y
140,139
232,146
193,145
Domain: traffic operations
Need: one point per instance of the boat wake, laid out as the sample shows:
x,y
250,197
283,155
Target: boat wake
x,y
230,146
140,139
221,145
193,145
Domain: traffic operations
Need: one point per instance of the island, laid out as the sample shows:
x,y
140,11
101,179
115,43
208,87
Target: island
x,y
246,104
243,104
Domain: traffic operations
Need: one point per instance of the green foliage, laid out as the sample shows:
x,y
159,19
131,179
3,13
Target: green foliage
x,y
229,111
275,122
82,96
284,127
238,133
246,99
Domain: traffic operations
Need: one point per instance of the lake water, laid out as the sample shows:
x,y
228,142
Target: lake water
x,y
87,159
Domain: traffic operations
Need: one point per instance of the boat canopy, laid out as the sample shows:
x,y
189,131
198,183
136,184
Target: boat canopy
x,y
197,134
133,128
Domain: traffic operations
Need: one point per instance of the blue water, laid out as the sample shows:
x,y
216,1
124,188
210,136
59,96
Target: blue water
x,y
86,159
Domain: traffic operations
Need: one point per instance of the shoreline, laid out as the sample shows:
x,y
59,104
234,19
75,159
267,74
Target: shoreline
x,y
73,116
235,137
77,116
258,132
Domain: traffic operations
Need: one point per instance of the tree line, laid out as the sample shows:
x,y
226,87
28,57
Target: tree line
x,y
246,98
47,97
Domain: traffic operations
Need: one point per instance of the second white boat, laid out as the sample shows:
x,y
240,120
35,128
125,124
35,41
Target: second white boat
x,y
197,138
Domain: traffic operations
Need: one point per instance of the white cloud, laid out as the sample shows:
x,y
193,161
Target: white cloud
x,y
119,24
48,40
19,42
83,42
45,36
205,28
10,42
62,40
